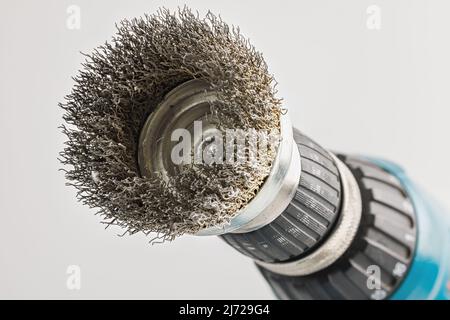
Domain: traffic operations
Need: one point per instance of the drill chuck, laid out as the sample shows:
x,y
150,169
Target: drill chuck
x,y
323,245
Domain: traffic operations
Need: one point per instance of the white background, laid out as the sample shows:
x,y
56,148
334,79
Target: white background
x,y
377,92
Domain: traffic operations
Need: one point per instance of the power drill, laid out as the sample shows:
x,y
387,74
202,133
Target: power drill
x,y
318,224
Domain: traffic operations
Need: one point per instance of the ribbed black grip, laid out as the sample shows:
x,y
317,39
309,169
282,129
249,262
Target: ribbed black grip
x,y
385,240
309,217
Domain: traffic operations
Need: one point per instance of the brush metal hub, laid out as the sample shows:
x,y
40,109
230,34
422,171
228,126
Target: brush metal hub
x,y
180,109
190,102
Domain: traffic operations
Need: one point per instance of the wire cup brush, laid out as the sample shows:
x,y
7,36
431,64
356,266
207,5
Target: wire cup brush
x,y
166,72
